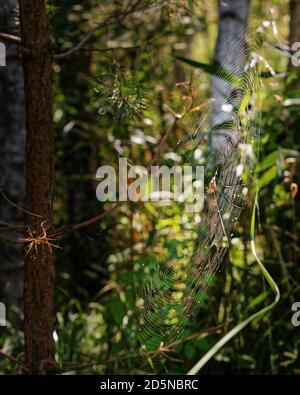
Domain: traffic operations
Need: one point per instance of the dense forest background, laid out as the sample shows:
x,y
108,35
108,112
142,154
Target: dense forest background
x,y
86,83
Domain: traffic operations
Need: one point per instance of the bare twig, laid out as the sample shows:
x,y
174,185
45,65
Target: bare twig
x,y
70,228
10,38
19,207
14,360
141,44
7,240
15,40
12,226
85,40
109,21
98,217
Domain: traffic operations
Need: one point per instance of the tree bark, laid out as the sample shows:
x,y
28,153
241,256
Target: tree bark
x,y
38,261
229,54
12,166
294,35
220,212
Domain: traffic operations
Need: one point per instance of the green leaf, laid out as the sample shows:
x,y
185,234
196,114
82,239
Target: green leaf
x,y
259,299
268,176
268,161
244,102
117,309
258,315
213,69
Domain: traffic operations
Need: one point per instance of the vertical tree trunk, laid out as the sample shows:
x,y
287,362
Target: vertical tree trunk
x,y
289,246
294,35
230,55
38,262
12,164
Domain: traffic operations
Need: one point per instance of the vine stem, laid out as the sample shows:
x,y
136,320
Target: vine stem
x,y
258,315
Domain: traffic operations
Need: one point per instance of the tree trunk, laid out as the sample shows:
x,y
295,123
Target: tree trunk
x,y
294,21
220,212
230,55
38,261
294,36
12,165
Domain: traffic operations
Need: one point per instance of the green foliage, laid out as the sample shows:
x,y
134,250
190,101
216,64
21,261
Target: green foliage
x,y
213,69
119,96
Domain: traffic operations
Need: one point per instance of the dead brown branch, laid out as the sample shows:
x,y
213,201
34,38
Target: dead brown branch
x,y
18,207
11,38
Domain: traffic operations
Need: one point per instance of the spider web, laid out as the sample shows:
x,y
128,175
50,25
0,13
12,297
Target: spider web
x,y
223,139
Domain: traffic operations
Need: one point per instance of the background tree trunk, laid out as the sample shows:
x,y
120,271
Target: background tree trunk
x,y
294,21
38,263
233,19
12,163
294,35
230,55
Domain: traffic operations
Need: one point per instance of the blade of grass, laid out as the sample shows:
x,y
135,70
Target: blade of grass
x,y
213,69
258,315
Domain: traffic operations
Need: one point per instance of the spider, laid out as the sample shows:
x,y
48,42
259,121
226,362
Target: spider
x,y
34,240
212,189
